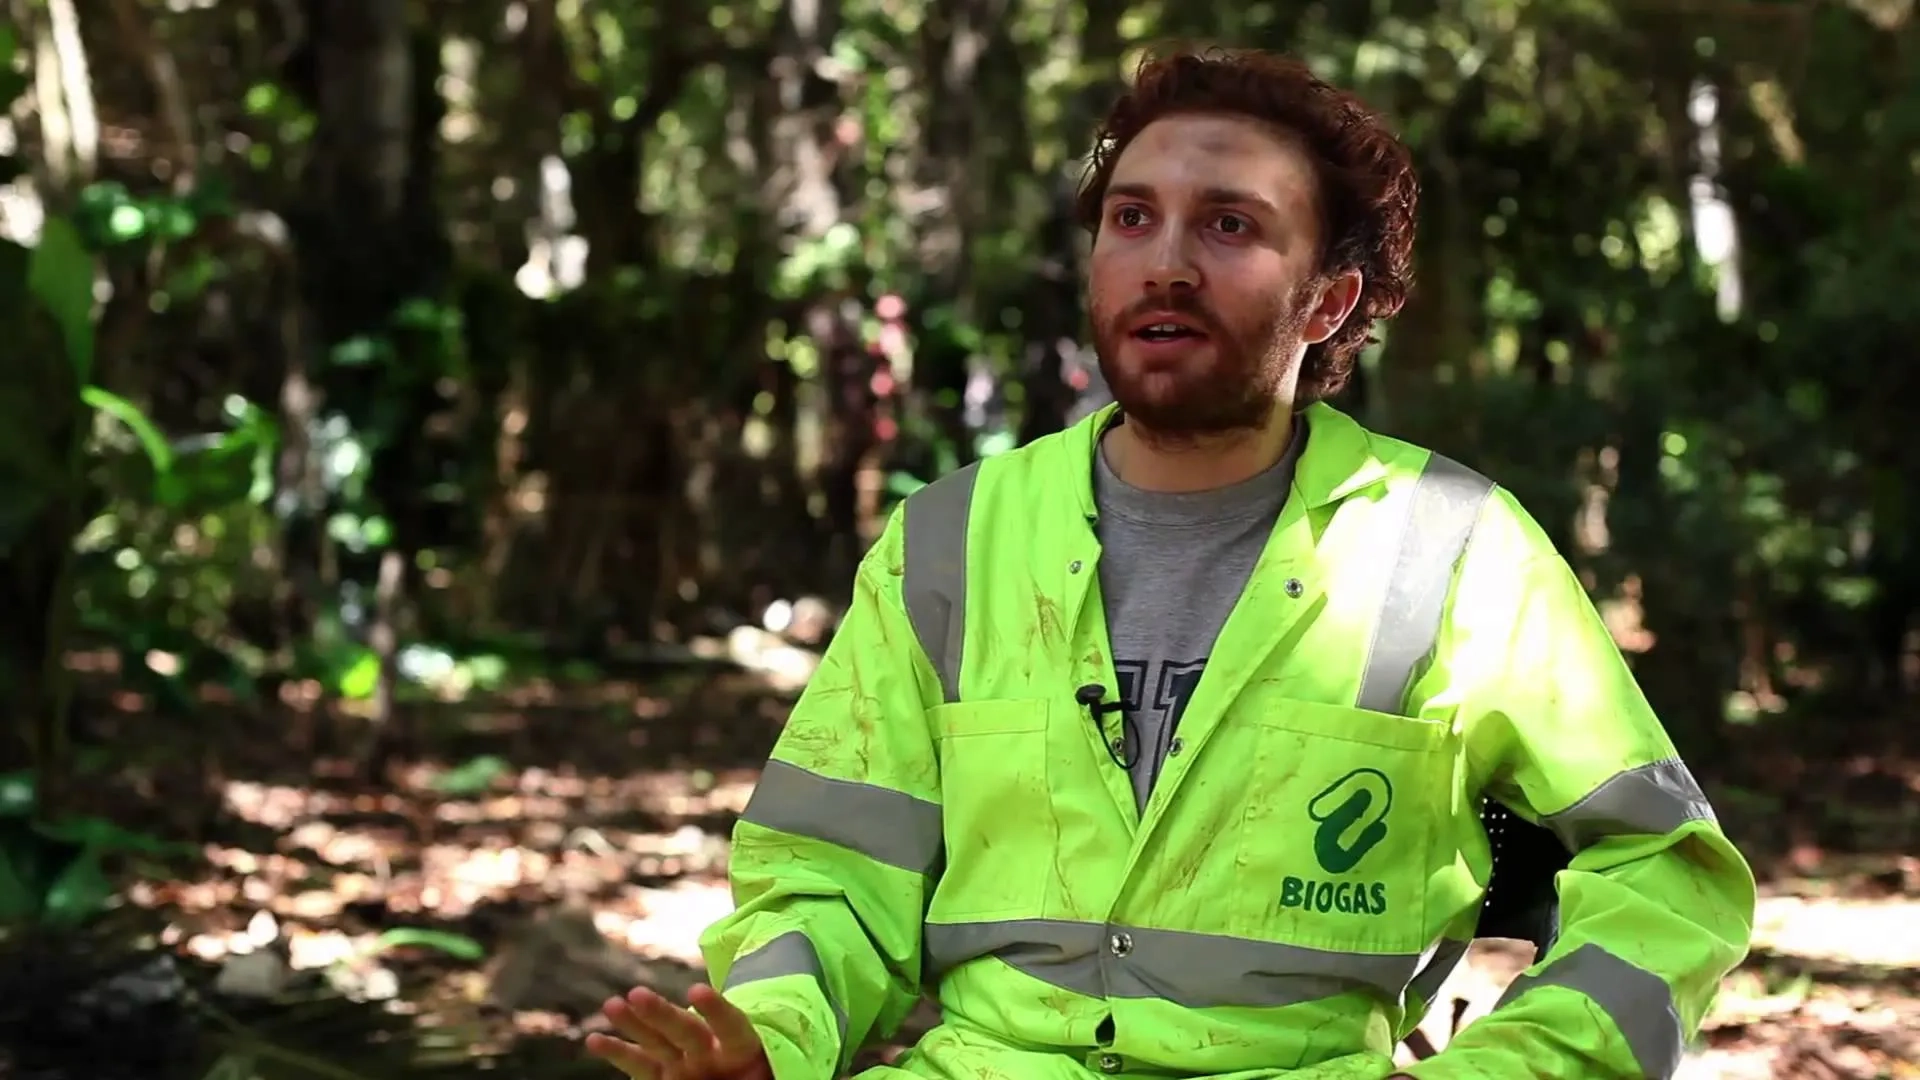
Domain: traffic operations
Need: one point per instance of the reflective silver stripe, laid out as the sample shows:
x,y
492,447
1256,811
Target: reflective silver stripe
x,y
934,581
1440,515
1441,512
789,954
1196,971
1637,1001
886,826
1652,800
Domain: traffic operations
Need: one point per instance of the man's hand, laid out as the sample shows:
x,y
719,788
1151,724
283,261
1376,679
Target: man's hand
x,y
659,1040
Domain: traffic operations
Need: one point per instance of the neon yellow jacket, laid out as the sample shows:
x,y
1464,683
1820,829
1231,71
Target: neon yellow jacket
x,y
940,812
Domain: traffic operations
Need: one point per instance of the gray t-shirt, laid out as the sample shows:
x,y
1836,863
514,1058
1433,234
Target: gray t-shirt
x,y
1172,565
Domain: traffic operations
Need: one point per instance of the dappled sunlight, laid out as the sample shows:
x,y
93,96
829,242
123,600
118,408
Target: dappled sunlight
x,y
566,885
502,890
545,836
1865,933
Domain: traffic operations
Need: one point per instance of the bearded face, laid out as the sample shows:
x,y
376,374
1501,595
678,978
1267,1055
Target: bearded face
x,y
1204,285
1184,368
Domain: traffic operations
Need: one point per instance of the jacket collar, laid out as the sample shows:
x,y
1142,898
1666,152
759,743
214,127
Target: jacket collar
x,y
1338,461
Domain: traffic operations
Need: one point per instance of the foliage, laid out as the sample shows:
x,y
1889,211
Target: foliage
x,y
55,875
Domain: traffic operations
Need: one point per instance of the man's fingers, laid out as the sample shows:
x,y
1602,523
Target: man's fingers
x,y
685,1031
634,1026
625,1056
729,1024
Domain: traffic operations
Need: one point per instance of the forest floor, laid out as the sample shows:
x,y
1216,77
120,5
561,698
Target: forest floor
x,y
577,834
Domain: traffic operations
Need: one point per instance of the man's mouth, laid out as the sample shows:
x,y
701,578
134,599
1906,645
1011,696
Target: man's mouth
x,y
1166,329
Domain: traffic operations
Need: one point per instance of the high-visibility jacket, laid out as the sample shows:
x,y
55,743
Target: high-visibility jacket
x,y
941,812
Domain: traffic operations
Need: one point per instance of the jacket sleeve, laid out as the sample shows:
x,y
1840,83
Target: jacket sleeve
x,y
834,857
1656,907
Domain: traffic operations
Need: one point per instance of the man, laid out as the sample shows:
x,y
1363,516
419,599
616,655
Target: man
x,y
1157,747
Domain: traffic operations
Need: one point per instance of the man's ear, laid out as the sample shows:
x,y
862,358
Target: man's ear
x,y
1338,295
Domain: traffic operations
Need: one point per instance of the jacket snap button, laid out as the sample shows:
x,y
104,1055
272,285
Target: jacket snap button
x,y
1121,944
1294,588
1109,1063
1174,747
1073,567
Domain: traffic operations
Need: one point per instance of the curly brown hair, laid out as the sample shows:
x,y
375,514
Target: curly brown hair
x,y
1367,188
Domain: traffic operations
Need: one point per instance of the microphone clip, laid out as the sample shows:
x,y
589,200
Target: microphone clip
x,y
1124,751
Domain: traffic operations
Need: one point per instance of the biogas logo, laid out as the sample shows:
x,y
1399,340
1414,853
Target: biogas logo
x,y
1355,897
1352,817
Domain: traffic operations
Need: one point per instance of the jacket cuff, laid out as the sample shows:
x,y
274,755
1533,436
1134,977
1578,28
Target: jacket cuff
x,y
797,1025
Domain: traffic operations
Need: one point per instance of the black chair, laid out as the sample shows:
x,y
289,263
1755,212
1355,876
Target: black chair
x,y
1522,903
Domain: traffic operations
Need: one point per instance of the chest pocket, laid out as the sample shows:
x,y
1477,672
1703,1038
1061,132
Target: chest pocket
x,y
1344,810
995,805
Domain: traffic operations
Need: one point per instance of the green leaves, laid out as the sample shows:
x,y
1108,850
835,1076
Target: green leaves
x,y
54,874
109,215
12,83
46,298
458,946
204,472
473,777
60,278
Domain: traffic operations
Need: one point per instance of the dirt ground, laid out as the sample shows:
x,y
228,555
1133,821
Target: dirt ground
x,y
582,845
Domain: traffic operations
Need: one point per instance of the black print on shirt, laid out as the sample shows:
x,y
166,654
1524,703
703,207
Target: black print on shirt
x,y
1132,675
1173,684
1177,683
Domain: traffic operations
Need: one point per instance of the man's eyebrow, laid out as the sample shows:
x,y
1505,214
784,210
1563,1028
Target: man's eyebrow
x,y
1214,195
1235,195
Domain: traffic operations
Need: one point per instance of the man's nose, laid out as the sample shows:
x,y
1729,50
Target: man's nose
x,y
1172,266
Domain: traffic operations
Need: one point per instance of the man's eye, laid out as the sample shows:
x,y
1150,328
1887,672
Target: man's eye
x,y
1129,217
1232,225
